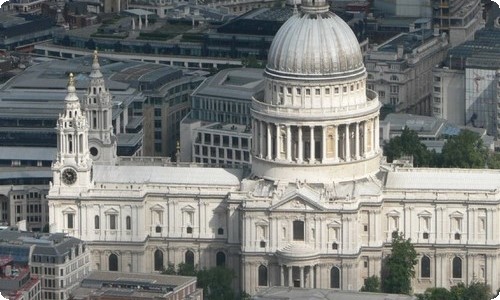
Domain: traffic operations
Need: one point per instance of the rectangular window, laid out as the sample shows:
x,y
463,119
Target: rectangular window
x,y
298,230
327,91
112,222
70,220
317,92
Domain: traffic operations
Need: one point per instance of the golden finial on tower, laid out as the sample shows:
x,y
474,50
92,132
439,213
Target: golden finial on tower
x,y
71,81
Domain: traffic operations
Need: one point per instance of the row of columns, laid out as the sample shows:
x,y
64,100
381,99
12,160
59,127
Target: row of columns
x,y
343,142
311,276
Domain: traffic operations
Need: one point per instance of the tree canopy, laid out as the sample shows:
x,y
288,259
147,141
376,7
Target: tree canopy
x,y
408,144
372,284
465,150
399,267
475,291
216,282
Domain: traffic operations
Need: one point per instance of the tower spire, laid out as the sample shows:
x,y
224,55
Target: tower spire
x,y
98,108
73,164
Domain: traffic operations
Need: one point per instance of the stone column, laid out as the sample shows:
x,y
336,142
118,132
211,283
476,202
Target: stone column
x,y
347,141
311,144
336,143
288,143
282,277
365,138
377,132
313,277
269,141
290,281
302,277
261,139
357,140
323,144
278,142
300,146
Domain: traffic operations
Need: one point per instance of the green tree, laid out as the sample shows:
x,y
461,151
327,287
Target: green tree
x,y
216,283
170,270
435,294
399,266
466,150
477,291
408,144
372,284
184,269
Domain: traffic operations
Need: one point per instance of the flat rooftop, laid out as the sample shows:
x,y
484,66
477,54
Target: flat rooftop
x,y
409,41
236,84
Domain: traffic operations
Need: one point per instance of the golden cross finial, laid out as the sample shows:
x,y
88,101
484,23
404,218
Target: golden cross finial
x,y
71,81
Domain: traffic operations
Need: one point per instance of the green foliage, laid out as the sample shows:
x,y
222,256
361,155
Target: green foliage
x,y
216,283
475,291
435,294
186,269
399,266
466,150
170,270
408,144
372,284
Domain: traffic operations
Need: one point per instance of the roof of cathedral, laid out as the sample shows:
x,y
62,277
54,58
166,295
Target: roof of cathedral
x,y
297,250
315,42
442,179
278,292
167,175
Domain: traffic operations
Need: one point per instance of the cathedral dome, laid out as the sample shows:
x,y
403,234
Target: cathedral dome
x,y
315,41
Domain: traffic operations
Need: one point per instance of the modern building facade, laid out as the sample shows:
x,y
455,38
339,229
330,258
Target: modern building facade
x,y
217,130
400,70
465,86
56,261
317,210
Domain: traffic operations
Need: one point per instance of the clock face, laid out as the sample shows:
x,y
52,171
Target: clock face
x,y
69,176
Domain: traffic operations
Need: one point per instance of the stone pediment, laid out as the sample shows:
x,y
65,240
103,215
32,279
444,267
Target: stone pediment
x,y
111,211
157,207
298,201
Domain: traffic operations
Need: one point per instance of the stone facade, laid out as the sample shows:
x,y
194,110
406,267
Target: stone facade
x,y
317,210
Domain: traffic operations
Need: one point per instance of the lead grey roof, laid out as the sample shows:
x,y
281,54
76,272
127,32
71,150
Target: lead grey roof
x,y
443,179
315,44
167,175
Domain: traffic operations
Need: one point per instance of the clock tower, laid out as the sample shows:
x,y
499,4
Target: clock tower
x,y
98,109
72,170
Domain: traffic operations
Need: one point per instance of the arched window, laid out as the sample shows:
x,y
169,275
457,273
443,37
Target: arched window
x,y
158,229
113,262
425,267
457,267
262,275
220,259
158,260
189,230
189,258
128,223
335,278
298,230
220,231
96,222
